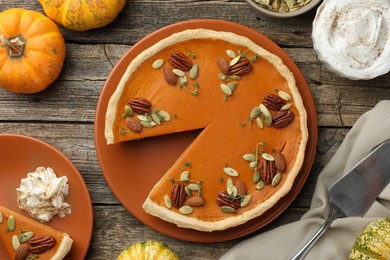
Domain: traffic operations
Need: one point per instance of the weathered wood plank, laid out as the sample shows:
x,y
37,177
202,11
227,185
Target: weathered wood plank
x,y
132,24
113,234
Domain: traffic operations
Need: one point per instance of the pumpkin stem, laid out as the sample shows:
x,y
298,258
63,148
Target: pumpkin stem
x,y
15,46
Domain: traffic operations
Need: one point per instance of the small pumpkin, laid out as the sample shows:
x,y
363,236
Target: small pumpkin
x,y
151,249
373,242
82,15
32,51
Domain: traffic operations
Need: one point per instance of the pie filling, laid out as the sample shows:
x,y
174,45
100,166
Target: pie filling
x,y
254,126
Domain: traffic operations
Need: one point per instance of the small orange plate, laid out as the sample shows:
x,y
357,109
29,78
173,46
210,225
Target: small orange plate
x,y
20,155
132,168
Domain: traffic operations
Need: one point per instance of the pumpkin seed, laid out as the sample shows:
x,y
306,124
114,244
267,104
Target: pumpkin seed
x,y
235,77
231,54
268,121
232,86
1,217
11,223
194,71
268,157
284,95
26,236
129,112
188,191
145,118
223,77
183,80
167,201
276,179
15,242
256,177
286,107
178,72
253,165
156,118
250,157
235,60
266,115
186,210
259,123
184,177
232,190
157,63
193,186
230,171
245,201
148,124
260,185
165,115
226,89
255,112
227,209
229,182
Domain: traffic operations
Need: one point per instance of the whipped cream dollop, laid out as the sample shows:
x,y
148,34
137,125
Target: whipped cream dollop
x,y
352,37
43,195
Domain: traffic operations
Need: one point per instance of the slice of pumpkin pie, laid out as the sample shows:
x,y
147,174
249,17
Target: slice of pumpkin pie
x,y
23,237
254,126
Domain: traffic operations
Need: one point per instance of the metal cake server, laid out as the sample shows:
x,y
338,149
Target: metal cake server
x,y
355,192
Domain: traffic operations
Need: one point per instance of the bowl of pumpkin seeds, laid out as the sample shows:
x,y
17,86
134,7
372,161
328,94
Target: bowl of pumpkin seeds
x,y
283,8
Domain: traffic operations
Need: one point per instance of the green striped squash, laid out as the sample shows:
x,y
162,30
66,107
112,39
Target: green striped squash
x,y
373,242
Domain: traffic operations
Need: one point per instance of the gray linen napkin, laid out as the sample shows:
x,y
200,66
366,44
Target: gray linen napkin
x,y
371,129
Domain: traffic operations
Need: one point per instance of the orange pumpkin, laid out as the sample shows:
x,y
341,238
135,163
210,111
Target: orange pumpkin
x,y
81,15
32,51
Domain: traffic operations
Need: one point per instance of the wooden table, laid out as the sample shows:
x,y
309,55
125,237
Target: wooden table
x,y
63,115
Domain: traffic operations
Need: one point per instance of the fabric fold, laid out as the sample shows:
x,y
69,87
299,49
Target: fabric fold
x,y
371,129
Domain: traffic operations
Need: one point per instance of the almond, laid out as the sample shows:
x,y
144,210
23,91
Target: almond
x,y
280,162
241,188
133,124
195,201
223,65
22,252
169,76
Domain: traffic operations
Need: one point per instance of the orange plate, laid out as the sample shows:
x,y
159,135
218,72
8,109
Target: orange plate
x,y
20,155
132,168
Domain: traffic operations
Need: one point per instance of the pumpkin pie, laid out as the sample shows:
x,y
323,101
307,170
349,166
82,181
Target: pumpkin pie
x,y
31,238
252,122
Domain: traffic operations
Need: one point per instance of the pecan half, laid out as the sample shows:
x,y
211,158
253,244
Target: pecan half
x,y
274,102
178,195
268,171
280,161
140,105
224,199
223,65
40,244
241,68
282,118
169,76
180,61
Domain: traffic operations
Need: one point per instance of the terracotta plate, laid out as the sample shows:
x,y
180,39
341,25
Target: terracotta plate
x,y
132,168
20,155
